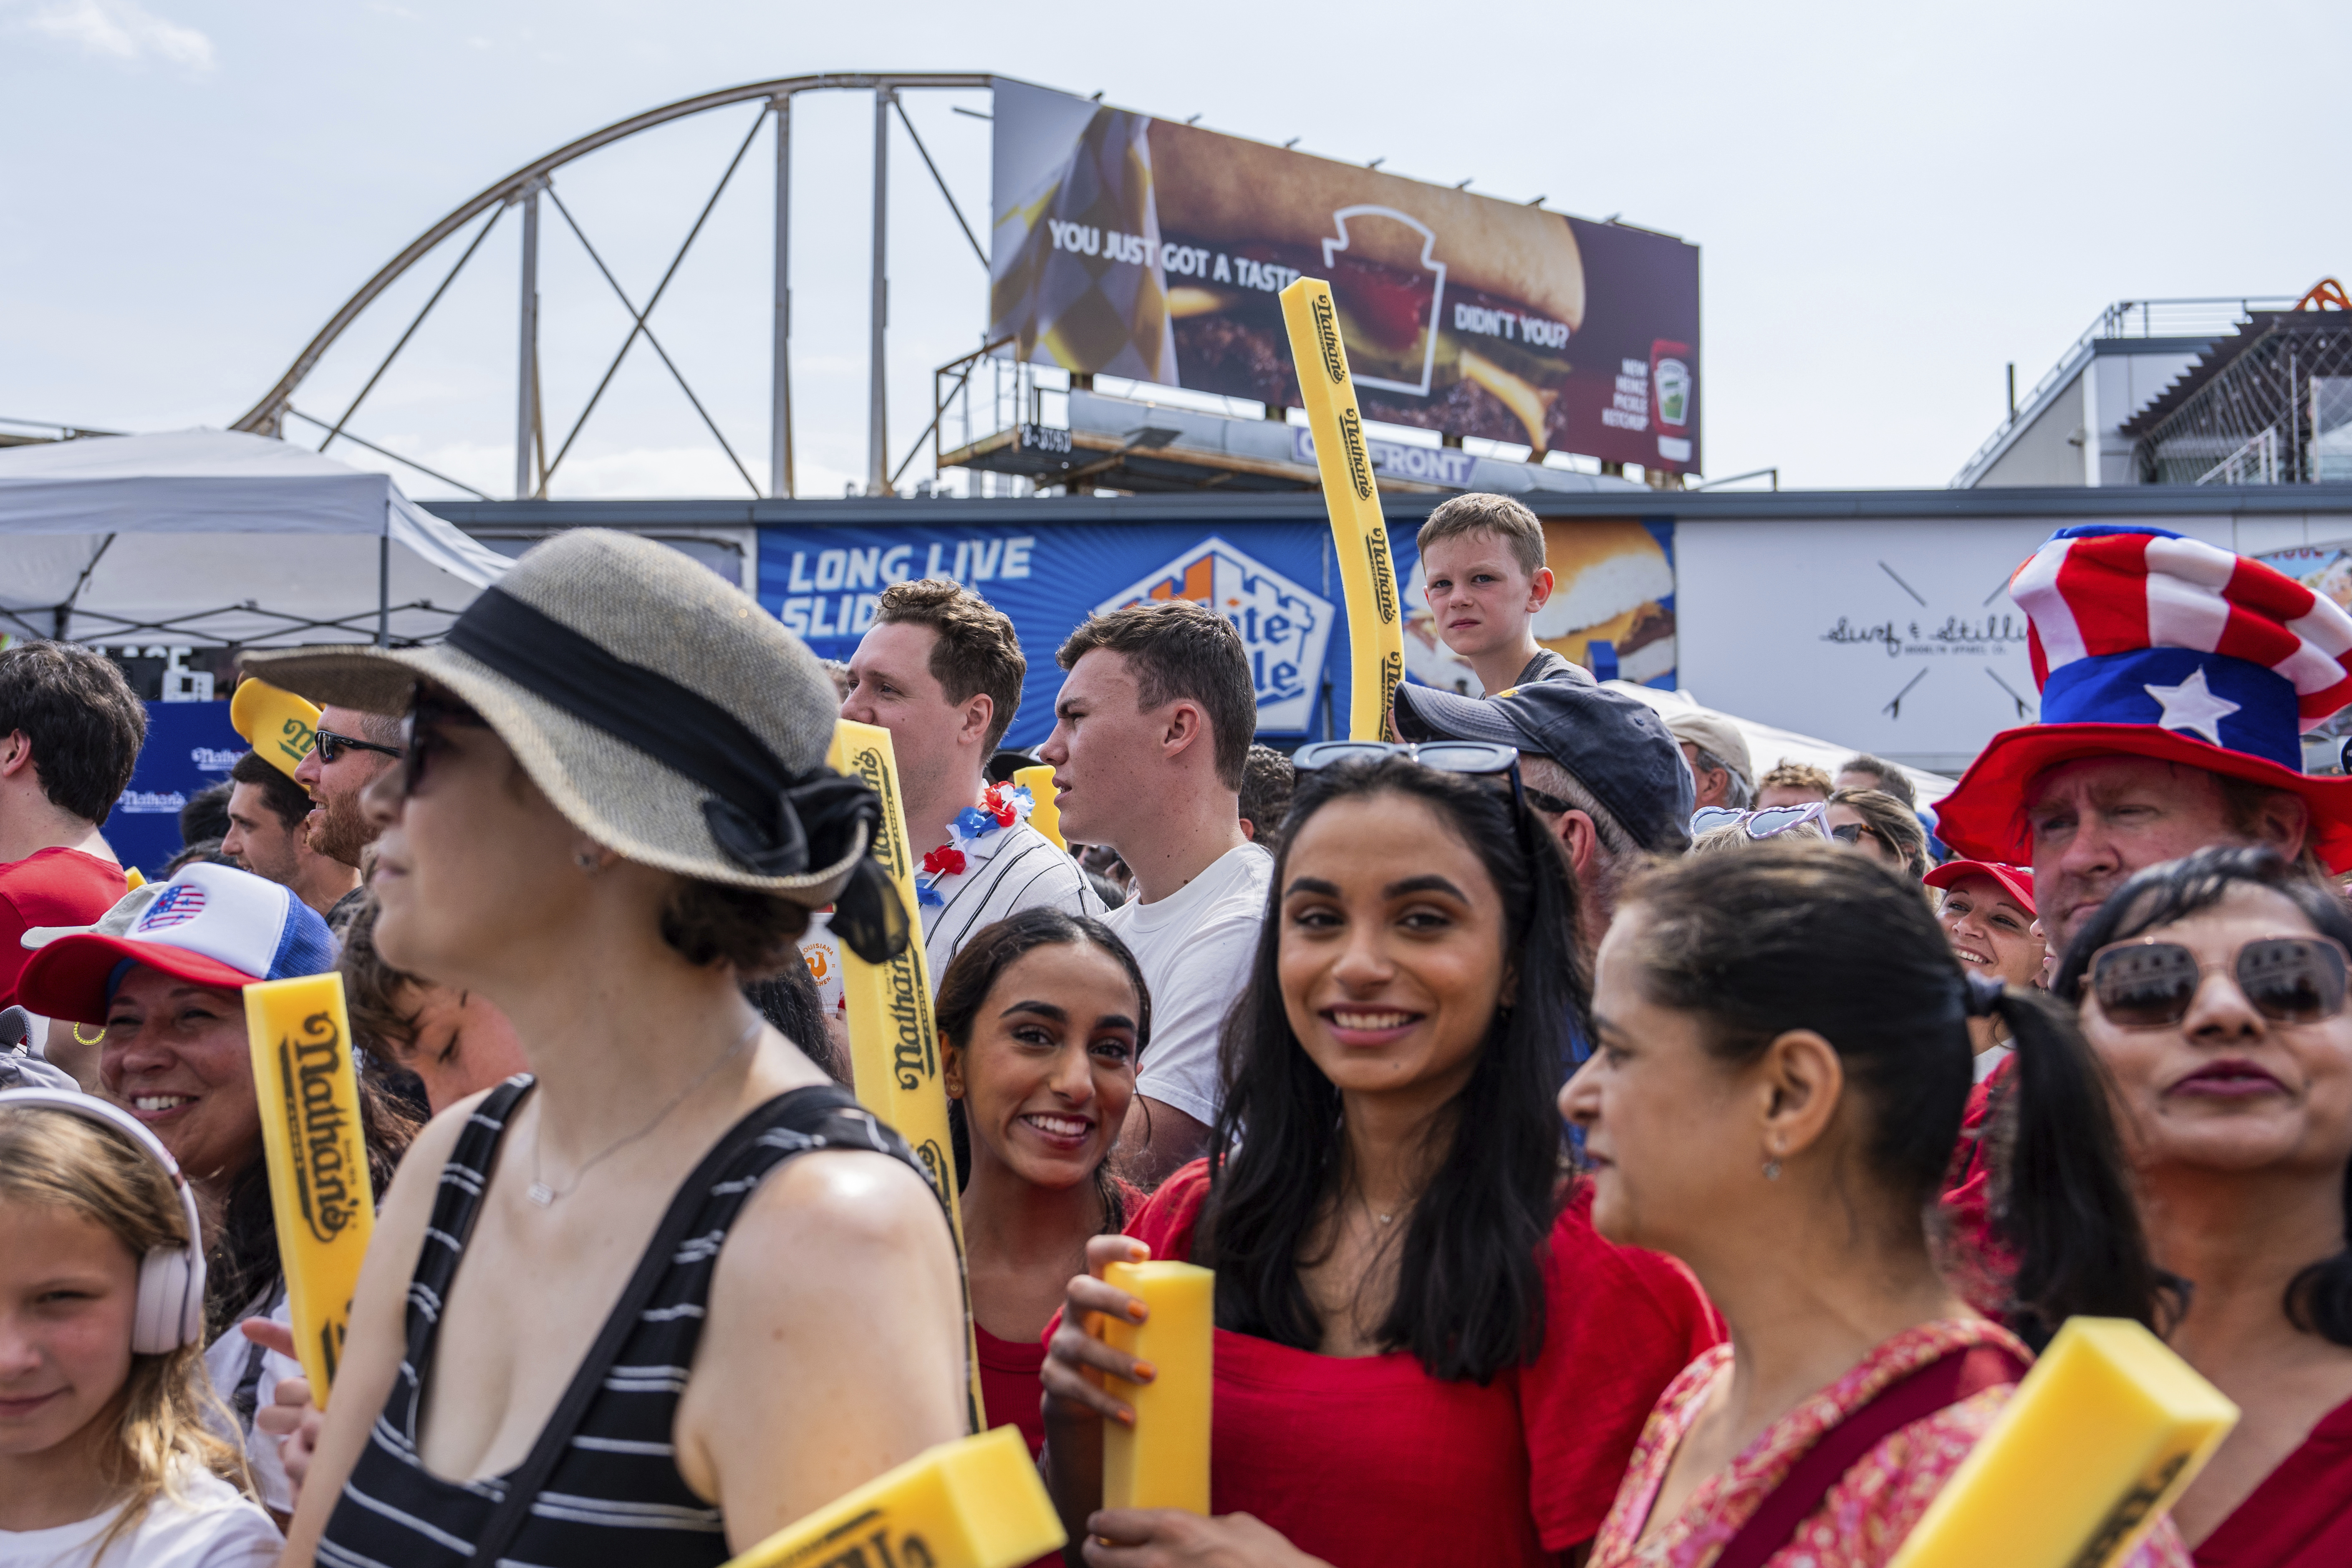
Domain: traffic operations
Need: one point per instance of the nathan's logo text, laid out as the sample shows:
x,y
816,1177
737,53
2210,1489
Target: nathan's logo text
x,y
319,1127
1326,335
1360,461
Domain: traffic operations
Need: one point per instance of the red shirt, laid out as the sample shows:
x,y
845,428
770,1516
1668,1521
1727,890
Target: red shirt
x,y
50,888
1980,1267
1370,1460
2301,1516
1011,1385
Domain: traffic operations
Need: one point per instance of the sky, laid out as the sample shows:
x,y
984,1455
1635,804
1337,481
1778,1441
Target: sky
x,y
1891,203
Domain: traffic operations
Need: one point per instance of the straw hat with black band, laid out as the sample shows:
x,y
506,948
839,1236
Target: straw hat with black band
x,y
660,709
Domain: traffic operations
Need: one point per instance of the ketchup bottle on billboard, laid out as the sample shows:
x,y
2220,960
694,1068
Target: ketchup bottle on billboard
x,y
1670,384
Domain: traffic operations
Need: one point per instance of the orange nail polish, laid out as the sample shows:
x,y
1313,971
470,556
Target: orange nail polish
x,y
1145,1371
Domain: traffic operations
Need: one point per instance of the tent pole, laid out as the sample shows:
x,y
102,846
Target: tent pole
x,y
383,590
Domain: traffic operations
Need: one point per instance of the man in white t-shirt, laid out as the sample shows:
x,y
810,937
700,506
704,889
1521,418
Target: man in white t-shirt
x,y
1152,729
941,669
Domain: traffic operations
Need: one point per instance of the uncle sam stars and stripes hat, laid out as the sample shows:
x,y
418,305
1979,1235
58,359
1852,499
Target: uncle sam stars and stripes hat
x,y
2148,644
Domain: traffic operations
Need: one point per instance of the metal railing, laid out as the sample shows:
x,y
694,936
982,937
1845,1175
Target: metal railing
x,y
2204,316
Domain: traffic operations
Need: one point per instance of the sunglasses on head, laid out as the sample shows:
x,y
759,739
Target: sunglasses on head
x,y
2151,984
420,733
1765,824
331,745
1475,758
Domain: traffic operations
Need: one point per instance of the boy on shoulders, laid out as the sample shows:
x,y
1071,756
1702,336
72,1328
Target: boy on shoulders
x,y
1483,559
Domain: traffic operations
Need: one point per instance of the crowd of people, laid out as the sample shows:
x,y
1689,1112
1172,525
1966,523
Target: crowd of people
x,y
1610,1153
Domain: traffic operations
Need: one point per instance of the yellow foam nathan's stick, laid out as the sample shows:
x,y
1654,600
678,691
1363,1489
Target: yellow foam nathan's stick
x,y
894,1047
133,880
2101,1437
1360,535
1163,1461
311,1132
277,724
1045,815
973,1503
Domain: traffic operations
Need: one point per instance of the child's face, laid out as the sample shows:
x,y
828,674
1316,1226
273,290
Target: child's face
x,y
68,1290
1480,595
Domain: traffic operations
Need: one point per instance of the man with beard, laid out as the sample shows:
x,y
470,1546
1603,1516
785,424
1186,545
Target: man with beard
x,y
353,749
2176,678
268,835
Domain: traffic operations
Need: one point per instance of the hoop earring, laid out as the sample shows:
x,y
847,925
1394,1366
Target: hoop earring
x,y
98,1039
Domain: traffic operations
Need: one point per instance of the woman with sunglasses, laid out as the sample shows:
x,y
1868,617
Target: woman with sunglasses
x,y
1783,1057
2212,988
675,1289
1424,1353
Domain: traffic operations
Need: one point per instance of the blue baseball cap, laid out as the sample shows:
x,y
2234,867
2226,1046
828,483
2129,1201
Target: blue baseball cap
x,y
1612,742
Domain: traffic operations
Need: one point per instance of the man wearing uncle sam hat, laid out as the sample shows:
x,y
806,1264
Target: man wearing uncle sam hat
x,y
2177,680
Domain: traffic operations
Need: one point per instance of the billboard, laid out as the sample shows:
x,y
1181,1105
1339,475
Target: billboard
x,y
1153,251
1275,582
189,747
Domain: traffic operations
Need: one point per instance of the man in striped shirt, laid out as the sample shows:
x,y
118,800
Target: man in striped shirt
x,y
942,670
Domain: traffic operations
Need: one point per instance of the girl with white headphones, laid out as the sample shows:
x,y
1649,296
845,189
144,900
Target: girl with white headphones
x,y
105,1457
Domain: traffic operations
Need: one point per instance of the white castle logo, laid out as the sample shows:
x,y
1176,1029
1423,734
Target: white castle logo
x,y
1285,628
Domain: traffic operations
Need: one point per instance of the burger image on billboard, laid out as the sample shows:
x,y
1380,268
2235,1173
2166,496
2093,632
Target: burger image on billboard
x,y
1142,247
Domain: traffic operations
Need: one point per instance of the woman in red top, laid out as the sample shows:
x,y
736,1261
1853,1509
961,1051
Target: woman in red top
x,y
2213,989
1424,1353
1783,1062
1042,1017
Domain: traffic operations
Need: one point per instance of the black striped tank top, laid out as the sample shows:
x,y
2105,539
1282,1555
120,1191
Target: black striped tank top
x,y
613,1494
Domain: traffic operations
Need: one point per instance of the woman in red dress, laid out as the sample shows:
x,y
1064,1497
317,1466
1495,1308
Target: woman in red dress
x,y
2213,988
1783,1059
1042,1018
1424,1353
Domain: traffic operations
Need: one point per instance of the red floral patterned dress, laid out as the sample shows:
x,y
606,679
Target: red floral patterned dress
x,y
1867,1515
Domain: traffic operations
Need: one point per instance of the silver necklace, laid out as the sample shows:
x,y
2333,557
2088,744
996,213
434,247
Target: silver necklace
x,y
543,1195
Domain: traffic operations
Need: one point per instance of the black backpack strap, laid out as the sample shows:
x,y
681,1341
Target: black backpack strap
x,y
530,1478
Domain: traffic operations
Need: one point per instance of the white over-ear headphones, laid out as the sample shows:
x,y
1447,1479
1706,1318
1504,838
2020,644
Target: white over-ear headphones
x,y
171,1307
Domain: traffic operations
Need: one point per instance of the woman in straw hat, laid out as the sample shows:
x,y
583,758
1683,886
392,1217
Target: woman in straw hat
x,y
675,1289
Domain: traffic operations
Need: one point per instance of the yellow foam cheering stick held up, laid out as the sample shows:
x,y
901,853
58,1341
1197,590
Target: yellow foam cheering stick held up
x,y
973,1503
1360,534
2101,1438
894,1047
310,1134
277,724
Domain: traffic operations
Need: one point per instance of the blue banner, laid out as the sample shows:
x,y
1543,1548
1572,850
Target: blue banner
x,y
1274,581
190,745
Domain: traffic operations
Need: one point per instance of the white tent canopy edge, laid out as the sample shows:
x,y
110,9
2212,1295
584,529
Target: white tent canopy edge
x,y
243,539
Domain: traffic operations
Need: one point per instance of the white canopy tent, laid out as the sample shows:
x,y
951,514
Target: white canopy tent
x,y
1768,746
238,539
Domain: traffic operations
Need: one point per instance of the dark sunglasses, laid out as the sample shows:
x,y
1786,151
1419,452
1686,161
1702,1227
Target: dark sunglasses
x,y
331,745
1851,833
420,734
2150,985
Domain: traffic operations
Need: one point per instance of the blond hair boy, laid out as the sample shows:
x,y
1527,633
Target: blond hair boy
x,y
1482,558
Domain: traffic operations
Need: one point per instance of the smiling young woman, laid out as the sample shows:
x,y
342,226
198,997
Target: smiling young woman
x,y
1424,1353
1042,1018
2213,989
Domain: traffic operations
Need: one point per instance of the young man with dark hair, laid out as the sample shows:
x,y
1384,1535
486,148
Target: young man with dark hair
x,y
69,736
267,835
942,669
1482,562
1149,747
